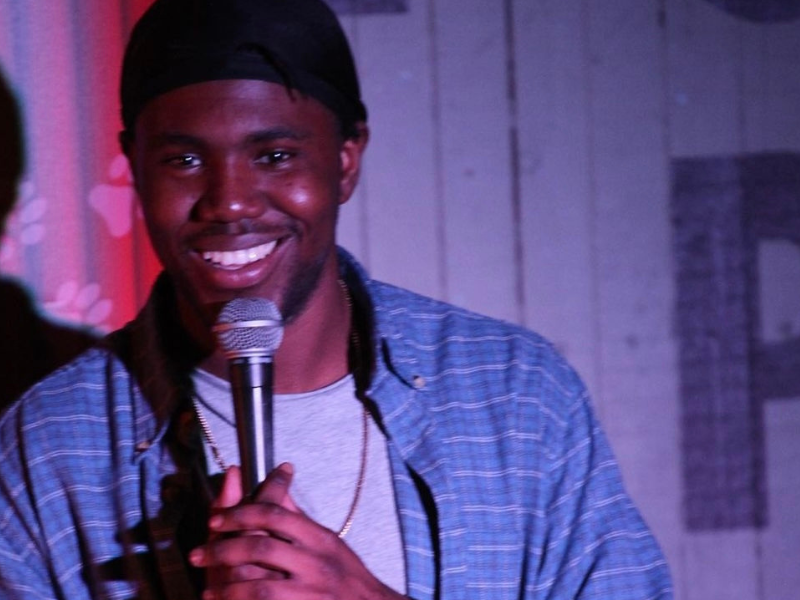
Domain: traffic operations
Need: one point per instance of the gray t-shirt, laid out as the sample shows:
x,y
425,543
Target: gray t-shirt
x,y
321,434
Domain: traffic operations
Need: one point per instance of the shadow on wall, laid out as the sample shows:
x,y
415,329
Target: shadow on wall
x,y
761,11
31,345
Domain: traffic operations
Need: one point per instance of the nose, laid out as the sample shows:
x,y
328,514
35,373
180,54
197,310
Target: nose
x,y
230,194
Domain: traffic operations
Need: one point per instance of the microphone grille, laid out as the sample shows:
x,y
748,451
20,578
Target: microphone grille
x,y
249,327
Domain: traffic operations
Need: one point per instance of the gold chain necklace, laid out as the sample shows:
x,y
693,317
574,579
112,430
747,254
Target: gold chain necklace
x,y
212,442
362,469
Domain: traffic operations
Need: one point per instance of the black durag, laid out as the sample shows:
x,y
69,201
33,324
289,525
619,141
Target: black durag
x,y
297,43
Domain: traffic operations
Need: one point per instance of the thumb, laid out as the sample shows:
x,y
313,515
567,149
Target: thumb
x,y
275,488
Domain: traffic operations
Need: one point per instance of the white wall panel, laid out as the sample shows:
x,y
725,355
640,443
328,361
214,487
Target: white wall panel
x,y
721,565
352,228
771,88
705,75
780,542
470,55
632,250
399,188
555,185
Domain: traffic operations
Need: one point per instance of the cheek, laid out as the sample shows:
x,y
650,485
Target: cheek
x,y
311,201
159,215
161,235
165,207
163,221
321,194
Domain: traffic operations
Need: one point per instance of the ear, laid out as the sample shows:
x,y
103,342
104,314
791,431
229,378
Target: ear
x,y
350,157
127,145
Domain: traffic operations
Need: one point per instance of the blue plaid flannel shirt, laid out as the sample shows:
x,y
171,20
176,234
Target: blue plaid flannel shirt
x,y
505,484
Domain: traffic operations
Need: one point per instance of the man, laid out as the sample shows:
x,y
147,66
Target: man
x,y
430,452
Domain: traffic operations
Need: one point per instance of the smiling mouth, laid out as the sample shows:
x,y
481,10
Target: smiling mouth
x,y
235,259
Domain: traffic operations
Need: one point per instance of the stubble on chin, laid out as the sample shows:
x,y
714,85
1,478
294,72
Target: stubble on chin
x,y
300,289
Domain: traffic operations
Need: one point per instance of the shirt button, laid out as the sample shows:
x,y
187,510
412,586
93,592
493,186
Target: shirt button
x,y
418,381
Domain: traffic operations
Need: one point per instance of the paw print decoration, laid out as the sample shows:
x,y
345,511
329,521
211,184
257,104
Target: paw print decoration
x,y
25,226
114,201
81,304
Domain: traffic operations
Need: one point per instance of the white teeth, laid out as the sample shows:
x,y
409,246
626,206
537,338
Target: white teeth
x,y
240,258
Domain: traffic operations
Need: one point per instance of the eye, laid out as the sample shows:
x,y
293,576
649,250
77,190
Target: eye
x,y
274,157
183,161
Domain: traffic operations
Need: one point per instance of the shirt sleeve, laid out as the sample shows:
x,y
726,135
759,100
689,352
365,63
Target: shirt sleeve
x,y
21,576
596,545
23,567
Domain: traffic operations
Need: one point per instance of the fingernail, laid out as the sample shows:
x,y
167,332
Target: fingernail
x,y
282,473
215,522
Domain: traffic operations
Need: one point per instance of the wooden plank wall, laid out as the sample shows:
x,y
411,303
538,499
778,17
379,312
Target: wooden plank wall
x,y
520,166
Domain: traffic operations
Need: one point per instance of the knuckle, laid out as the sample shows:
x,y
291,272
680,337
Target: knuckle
x,y
261,545
329,541
274,509
333,574
261,592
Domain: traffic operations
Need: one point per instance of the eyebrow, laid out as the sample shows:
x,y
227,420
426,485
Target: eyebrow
x,y
274,134
169,138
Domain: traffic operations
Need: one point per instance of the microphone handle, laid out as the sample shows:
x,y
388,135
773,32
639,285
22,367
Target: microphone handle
x,y
251,384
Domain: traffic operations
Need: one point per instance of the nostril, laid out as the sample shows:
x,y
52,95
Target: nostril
x,y
223,203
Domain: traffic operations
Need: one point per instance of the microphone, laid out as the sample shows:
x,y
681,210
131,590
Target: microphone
x,y
249,331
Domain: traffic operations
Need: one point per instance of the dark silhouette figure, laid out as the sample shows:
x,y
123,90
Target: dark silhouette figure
x,y
31,345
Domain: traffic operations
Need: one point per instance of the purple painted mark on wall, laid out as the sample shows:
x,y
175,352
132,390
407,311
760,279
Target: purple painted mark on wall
x,y
722,208
363,7
773,182
762,11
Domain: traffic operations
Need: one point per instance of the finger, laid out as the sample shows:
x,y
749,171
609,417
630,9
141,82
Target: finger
x,y
289,504
231,492
245,573
275,488
263,552
247,590
272,519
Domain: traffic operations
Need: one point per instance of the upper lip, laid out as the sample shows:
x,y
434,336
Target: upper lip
x,y
239,255
229,237
231,244
230,241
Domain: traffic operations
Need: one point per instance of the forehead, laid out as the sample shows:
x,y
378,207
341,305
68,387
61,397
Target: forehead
x,y
232,107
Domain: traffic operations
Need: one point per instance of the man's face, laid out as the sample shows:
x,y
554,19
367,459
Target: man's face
x,y
240,184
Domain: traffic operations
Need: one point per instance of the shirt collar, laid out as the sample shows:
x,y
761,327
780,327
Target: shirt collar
x,y
399,375
157,353
392,352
